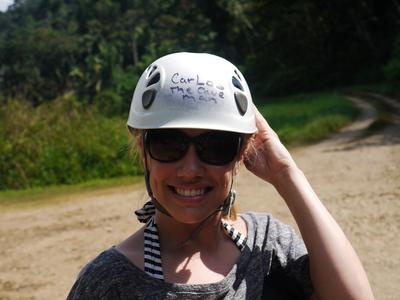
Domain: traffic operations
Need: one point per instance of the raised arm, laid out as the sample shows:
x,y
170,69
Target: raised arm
x,y
336,271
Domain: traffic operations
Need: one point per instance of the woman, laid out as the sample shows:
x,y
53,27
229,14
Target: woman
x,y
194,122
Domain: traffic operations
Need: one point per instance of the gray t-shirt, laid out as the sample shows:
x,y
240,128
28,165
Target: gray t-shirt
x,y
273,265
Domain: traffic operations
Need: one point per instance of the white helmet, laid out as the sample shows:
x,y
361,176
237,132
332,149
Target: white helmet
x,y
192,90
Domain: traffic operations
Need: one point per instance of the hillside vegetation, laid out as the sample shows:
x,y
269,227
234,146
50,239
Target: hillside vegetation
x,y
64,142
68,70
98,49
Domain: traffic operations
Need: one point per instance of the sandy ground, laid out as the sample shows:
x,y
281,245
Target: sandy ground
x,y
358,178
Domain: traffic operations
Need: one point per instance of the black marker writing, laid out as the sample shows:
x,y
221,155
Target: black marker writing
x,y
199,89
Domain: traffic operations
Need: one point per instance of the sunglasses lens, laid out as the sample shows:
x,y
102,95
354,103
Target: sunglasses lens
x,y
214,147
166,145
218,147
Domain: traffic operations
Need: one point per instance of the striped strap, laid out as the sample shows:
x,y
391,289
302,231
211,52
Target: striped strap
x,y
152,254
145,213
236,236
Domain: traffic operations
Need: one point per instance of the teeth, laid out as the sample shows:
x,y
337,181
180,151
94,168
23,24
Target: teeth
x,y
190,193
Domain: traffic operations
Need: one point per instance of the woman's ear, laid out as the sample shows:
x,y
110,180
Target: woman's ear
x,y
139,142
238,163
247,147
140,147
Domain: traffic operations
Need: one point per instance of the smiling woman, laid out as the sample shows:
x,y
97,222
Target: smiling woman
x,y
193,245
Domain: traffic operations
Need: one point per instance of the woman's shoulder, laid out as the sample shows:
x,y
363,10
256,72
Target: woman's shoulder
x,y
100,275
266,229
282,247
259,220
264,220
101,263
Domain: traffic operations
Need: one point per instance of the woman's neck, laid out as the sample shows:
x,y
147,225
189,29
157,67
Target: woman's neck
x,y
191,238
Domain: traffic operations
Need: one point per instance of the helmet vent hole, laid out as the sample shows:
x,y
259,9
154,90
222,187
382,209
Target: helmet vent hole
x,y
148,98
154,79
151,70
241,102
237,83
237,73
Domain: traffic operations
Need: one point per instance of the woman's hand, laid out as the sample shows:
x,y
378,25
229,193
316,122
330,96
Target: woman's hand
x,y
266,156
335,268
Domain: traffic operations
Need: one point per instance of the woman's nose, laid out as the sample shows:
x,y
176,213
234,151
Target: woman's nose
x,y
190,166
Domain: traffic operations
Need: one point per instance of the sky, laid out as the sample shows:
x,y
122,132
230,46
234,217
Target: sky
x,y
4,4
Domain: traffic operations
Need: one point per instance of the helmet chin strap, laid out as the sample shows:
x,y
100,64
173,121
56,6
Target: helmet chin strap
x,y
150,193
225,208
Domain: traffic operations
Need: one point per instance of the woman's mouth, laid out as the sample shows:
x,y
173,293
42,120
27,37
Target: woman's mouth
x,y
190,192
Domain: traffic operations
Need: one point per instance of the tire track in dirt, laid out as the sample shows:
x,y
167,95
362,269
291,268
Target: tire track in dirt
x,y
356,176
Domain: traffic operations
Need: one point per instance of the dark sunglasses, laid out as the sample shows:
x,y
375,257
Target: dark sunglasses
x,y
212,147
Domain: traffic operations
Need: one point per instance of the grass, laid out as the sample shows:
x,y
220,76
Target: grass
x,y
297,119
61,142
307,118
39,196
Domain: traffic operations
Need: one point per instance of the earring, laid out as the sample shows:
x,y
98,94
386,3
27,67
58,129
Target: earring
x,y
236,169
229,203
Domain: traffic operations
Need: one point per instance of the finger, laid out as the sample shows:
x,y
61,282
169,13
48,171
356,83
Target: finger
x,y
261,122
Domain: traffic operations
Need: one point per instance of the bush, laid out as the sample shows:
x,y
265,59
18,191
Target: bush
x,y
116,100
392,67
60,142
63,142
109,103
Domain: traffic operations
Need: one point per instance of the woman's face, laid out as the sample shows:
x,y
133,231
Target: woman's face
x,y
190,189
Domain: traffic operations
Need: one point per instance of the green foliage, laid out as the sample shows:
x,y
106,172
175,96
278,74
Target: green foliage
x,y
34,58
295,46
109,103
63,142
307,118
50,47
392,67
98,49
60,143
122,85
390,89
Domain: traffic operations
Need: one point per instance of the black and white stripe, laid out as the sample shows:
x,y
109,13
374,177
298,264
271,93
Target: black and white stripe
x,y
152,251
236,236
152,254
146,212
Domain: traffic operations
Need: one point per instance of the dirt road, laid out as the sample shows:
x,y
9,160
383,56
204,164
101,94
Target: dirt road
x,y
356,176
